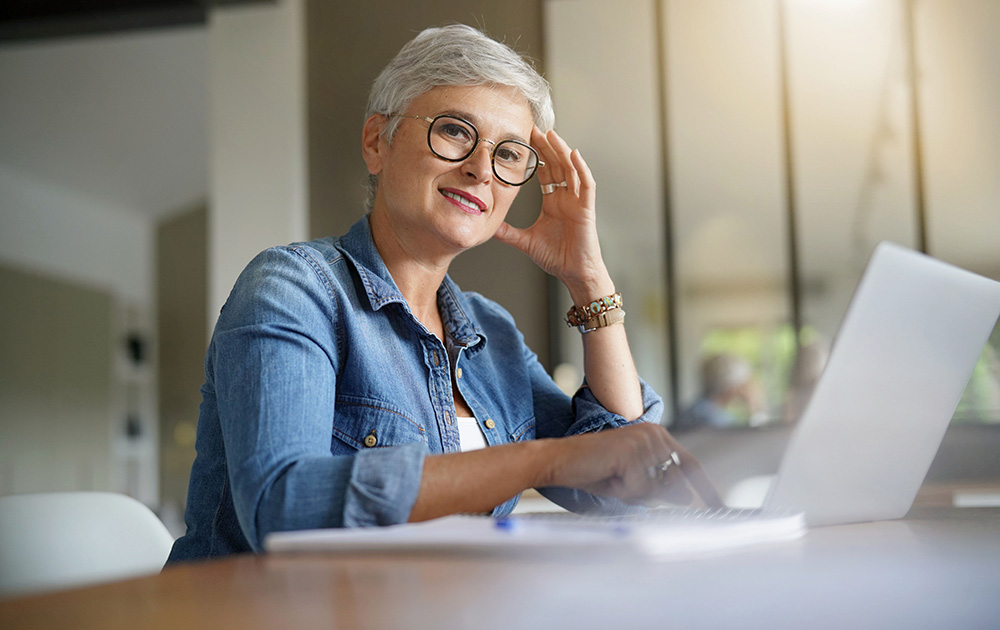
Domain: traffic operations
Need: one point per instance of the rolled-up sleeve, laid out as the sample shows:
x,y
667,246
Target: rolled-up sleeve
x,y
275,360
383,485
590,415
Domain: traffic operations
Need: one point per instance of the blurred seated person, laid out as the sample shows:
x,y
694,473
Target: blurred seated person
x,y
727,382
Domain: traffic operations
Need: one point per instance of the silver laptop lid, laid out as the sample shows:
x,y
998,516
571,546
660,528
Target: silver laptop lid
x,y
901,360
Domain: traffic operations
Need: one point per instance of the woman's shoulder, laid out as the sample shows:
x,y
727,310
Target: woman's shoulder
x,y
487,313
292,272
321,251
315,257
479,302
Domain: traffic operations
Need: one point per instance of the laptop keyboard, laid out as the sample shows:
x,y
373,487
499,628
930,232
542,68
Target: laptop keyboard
x,y
678,515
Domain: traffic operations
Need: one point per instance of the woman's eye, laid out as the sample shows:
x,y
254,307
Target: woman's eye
x,y
455,131
507,154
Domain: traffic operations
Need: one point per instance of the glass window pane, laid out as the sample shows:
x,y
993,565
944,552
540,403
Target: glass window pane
x,y
728,203
600,59
959,55
853,154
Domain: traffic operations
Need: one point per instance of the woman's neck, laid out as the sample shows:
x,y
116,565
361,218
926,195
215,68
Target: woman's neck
x,y
416,274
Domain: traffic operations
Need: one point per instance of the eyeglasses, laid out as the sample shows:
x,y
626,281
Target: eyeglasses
x,y
453,139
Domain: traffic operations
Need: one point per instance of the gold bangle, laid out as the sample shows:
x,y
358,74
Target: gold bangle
x,y
607,318
579,315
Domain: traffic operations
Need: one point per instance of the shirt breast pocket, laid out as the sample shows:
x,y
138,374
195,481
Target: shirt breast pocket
x,y
523,431
361,423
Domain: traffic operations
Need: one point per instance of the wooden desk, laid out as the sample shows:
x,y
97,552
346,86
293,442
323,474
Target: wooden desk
x,y
936,569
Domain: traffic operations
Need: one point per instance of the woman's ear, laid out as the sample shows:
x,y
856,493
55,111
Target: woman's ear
x,y
372,146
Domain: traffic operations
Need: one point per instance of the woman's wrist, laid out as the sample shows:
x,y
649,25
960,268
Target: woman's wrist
x,y
585,291
544,452
556,459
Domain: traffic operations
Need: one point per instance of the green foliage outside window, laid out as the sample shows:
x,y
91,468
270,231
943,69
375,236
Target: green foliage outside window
x,y
771,354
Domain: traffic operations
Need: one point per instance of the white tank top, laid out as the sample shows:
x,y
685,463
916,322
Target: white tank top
x,y
470,435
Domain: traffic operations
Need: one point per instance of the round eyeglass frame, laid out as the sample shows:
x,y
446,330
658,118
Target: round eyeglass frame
x,y
430,125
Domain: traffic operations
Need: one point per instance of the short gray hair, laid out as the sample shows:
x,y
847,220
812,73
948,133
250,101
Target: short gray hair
x,y
454,55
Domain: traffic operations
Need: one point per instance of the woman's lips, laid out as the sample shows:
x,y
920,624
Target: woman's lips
x,y
465,201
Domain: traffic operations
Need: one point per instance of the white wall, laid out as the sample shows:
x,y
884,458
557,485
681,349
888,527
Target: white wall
x,y
61,233
257,129
99,136
44,229
102,136
54,223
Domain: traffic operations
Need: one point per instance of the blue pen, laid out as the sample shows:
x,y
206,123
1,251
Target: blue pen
x,y
516,525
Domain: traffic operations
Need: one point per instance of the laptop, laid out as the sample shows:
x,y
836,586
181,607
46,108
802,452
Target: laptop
x,y
904,353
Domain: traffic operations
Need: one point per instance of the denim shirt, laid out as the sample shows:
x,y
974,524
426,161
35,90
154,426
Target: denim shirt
x,y
323,395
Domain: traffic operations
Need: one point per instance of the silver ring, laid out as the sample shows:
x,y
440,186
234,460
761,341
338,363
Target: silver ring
x,y
548,189
660,470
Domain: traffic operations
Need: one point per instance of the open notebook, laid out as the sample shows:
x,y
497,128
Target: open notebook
x,y
550,534
904,353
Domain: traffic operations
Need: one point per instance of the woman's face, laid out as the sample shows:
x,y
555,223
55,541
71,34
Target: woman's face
x,y
448,207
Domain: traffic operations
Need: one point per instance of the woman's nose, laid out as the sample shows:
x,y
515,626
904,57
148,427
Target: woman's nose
x,y
480,163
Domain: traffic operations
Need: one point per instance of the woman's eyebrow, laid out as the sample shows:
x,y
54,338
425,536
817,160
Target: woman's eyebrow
x,y
472,118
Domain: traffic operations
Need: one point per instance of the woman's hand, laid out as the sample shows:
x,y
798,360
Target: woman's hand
x,y
613,463
563,240
618,463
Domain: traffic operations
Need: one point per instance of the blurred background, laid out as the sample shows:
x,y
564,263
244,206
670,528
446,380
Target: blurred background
x,y
750,154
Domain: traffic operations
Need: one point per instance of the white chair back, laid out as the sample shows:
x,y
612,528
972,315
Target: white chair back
x,y
63,539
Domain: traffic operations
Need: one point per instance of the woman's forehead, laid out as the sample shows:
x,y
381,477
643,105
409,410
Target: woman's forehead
x,y
500,108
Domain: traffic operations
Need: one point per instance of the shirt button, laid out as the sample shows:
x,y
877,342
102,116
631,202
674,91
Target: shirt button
x,y
490,424
458,373
370,441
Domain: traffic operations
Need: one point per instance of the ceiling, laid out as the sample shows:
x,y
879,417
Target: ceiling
x,y
119,118
32,19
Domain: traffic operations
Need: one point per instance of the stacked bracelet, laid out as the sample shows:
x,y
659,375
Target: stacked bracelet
x,y
607,318
596,314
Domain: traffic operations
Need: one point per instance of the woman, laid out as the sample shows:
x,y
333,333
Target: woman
x,y
349,382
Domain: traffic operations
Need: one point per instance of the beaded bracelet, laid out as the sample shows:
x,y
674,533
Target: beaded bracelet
x,y
579,315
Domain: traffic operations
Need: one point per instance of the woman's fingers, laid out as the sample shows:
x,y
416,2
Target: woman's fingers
x,y
565,162
562,164
684,479
696,477
644,464
676,489
588,187
552,172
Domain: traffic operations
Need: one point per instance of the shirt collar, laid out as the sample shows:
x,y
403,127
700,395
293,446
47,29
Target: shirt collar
x,y
358,247
458,324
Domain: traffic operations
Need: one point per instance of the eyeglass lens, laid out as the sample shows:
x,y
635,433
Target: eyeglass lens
x,y
455,139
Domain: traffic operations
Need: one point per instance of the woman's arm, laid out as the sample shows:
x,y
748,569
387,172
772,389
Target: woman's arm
x,y
563,241
607,463
273,365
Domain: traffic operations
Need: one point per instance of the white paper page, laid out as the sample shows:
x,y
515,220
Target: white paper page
x,y
472,534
